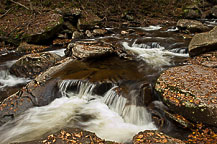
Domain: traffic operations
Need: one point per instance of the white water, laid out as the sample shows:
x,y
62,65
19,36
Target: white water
x,y
155,55
59,52
70,111
151,28
8,80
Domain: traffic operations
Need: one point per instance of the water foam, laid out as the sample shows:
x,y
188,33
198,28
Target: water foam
x,y
151,28
156,56
59,52
8,80
69,111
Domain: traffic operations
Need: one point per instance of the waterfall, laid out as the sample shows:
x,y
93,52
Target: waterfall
x,y
155,55
131,113
109,116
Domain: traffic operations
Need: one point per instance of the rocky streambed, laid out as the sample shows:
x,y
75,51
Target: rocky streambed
x,y
114,83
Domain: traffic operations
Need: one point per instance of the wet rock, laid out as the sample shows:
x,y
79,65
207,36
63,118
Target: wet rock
x,y
191,26
28,48
191,92
203,42
88,20
88,49
39,92
154,137
71,135
32,64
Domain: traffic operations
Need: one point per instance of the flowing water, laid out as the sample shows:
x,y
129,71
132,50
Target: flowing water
x,y
89,90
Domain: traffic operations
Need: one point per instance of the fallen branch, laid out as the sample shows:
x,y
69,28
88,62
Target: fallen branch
x,y
5,13
20,4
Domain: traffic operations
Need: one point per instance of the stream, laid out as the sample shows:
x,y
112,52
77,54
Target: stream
x,y
104,97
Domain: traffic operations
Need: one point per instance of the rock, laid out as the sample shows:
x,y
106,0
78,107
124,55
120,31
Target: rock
x,y
77,35
39,92
191,26
124,32
179,119
192,12
99,32
88,20
49,27
214,11
71,135
82,50
28,48
32,64
208,59
154,137
88,34
203,42
70,14
191,92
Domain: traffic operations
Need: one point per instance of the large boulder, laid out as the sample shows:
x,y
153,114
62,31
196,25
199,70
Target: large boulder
x,y
203,42
154,137
82,49
32,64
191,26
48,26
190,91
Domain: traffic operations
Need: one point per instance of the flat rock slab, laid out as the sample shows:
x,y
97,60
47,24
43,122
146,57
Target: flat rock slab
x,y
191,91
82,50
154,137
203,42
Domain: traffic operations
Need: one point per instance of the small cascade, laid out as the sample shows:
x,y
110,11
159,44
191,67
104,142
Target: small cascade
x,y
151,28
109,116
8,80
59,52
82,89
154,55
130,112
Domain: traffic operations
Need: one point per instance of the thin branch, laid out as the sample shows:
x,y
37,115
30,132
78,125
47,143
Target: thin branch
x,y
5,13
20,4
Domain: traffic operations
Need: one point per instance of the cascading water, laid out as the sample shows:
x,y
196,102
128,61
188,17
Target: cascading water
x,y
109,116
8,80
153,54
